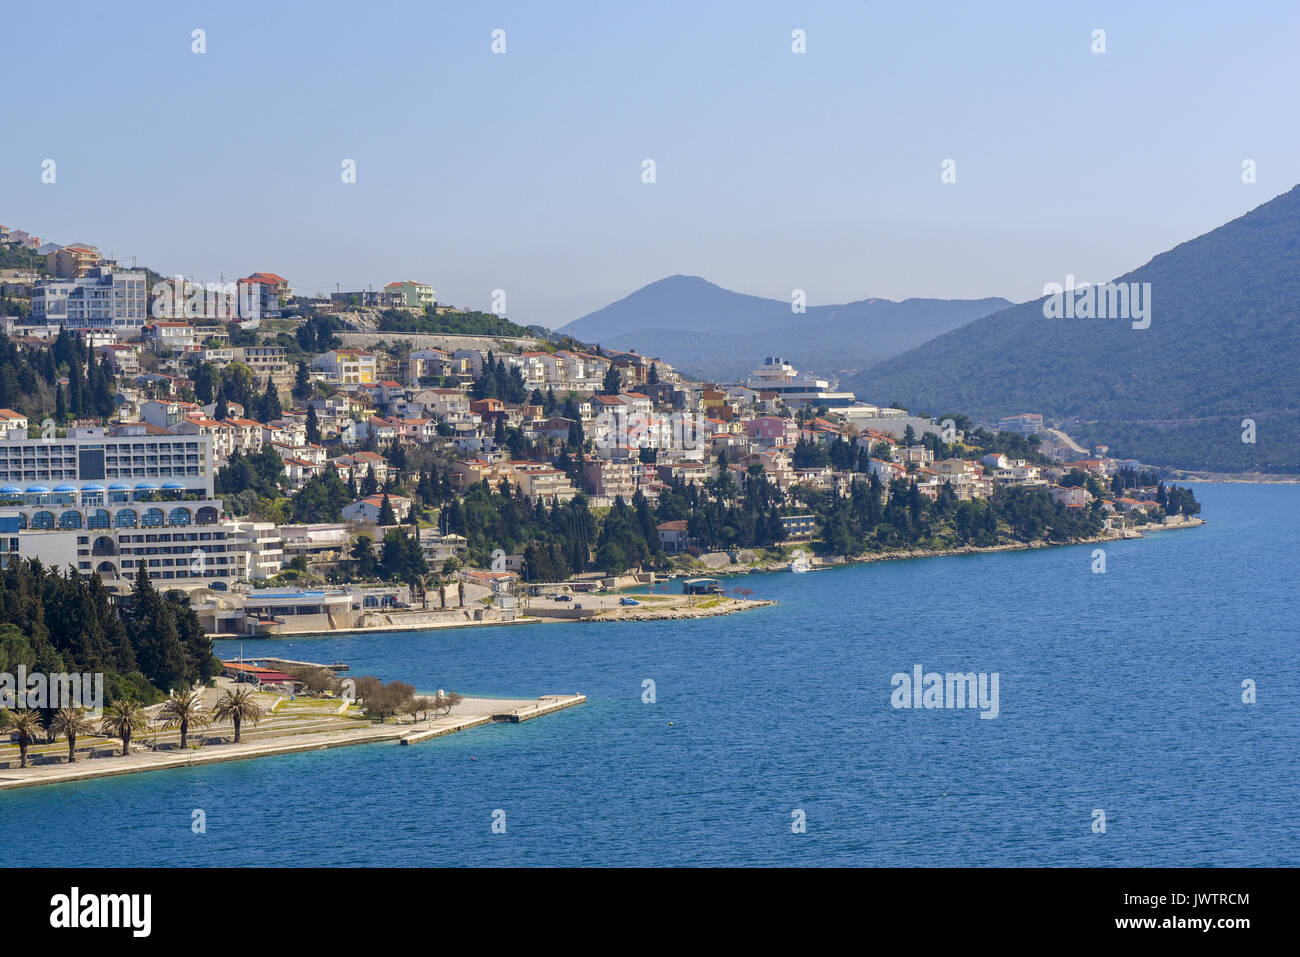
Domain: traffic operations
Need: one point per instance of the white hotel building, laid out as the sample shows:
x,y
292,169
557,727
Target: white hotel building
x,y
111,503
104,298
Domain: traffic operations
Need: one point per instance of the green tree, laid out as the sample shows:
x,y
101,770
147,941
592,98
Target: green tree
x,y
26,723
302,388
183,709
363,555
313,426
71,723
237,707
124,719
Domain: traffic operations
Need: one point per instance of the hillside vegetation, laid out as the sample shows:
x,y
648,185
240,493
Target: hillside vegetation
x,y
1222,347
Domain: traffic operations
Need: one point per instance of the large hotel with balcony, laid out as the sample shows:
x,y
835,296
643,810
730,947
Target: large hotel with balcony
x,y
115,500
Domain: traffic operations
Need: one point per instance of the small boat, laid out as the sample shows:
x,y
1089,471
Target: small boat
x,y
801,565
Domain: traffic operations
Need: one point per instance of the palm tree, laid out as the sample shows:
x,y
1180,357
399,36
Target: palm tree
x,y
236,706
69,723
28,725
183,708
123,718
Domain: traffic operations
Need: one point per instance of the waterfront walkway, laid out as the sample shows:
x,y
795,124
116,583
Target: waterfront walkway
x,y
293,727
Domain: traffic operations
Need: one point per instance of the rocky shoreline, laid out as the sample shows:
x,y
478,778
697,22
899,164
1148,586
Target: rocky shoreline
x,y
725,606
902,554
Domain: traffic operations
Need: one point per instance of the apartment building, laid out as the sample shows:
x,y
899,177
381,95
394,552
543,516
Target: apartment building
x,y
346,366
168,337
1026,423
265,361
606,478
539,481
71,262
102,299
410,295
426,365
121,358
261,293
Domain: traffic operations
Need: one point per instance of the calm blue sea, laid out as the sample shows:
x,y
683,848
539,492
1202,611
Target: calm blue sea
x,y
1119,691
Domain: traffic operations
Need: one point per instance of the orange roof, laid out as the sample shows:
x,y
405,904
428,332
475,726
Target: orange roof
x,y
378,500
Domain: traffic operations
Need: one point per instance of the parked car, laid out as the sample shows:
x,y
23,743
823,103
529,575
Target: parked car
x,y
628,601
564,598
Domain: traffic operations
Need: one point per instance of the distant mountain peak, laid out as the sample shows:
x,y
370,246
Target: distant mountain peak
x,y
702,327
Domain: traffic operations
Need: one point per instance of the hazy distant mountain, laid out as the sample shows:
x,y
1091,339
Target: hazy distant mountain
x,y
1223,346
702,328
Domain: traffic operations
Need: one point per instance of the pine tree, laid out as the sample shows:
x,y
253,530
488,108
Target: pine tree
x,y
269,407
75,402
302,383
103,390
313,426
386,514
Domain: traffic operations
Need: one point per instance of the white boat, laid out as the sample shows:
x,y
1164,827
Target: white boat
x,y
801,565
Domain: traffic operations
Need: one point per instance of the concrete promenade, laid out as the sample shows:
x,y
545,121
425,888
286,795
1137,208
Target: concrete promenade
x,y
292,727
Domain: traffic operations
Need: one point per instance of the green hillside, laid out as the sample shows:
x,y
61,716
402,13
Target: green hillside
x,y
1222,346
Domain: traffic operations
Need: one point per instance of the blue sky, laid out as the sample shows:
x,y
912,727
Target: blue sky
x,y
522,171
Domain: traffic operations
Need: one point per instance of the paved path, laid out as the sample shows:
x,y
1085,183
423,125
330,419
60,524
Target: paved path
x,y
288,733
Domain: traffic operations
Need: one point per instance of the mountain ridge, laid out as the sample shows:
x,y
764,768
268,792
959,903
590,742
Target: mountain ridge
x,y
694,324
1221,349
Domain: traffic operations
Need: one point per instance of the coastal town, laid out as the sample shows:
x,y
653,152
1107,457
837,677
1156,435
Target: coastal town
x,y
290,465
183,462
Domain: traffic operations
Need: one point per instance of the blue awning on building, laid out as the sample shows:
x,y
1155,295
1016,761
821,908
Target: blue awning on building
x,y
37,489
146,487
65,488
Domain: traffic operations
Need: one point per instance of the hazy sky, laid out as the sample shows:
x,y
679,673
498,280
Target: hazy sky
x,y
523,171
